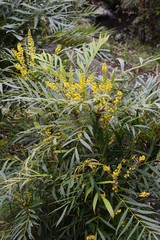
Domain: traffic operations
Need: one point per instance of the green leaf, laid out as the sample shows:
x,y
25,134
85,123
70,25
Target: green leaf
x,y
106,223
85,144
95,200
150,220
108,207
126,227
89,190
154,169
121,220
101,235
133,230
62,216
141,234
105,182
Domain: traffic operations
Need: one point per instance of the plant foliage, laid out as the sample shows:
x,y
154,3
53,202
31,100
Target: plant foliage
x,y
90,142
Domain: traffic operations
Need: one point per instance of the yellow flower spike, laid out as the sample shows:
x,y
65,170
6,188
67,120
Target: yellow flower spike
x,y
105,86
19,48
90,78
82,82
104,68
31,49
115,175
19,55
22,70
144,194
58,48
95,87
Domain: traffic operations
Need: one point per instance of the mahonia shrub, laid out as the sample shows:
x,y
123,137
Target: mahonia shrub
x,y
92,143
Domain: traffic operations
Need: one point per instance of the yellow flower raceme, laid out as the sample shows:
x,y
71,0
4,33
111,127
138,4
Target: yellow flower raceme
x,y
24,63
90,78
105,87
135,165
19,55
144,194
71,77
31,49
118,98
115,175
82,82
22,69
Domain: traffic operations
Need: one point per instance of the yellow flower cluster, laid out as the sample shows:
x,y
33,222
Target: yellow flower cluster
x,y
123,224
48,133
111,140
79,135
51,85
90,237
19,54
106,116
24,62
134,166
105,87
58,48
103,195
142,158
144,194
75,91
106,168
92,163
104,68
36,124
118,98
118,211
31,49
115,175
109,109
